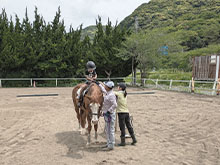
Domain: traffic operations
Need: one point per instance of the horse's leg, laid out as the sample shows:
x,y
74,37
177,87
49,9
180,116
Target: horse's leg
x,y
96,133
78,117
75,102
82,121
89,131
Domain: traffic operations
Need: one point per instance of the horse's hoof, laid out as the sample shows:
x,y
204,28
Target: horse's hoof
x,y
82,132
88,144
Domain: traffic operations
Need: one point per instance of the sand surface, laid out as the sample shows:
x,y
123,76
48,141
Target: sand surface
x,y
171,128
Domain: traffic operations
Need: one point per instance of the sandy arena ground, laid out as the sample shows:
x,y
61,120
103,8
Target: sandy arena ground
x,y
172,128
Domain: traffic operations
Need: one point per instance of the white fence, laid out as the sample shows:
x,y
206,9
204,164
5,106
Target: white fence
x,y
204,87
33,81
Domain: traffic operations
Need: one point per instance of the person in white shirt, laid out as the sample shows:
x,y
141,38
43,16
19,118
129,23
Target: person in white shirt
x,y
109,109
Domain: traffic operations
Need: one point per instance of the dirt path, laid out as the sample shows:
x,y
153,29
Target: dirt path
x,y
171,128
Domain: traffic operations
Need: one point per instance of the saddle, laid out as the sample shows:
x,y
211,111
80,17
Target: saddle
x,y
83,92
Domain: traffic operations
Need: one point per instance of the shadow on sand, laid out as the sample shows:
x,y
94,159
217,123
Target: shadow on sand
x,y
76,144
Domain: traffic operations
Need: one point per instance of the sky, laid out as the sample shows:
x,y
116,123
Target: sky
x,y
74,12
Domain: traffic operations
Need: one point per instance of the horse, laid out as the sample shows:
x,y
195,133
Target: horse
x,y
90,109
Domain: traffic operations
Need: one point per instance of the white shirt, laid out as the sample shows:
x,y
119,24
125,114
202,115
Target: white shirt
x,y
110,102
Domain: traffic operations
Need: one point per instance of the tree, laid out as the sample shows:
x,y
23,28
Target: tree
x,y
145,47
105,48
40,49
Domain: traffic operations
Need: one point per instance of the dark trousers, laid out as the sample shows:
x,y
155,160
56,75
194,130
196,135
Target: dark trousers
x,y
124,119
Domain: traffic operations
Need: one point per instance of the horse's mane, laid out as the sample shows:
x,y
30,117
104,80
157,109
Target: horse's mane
x,y
94,88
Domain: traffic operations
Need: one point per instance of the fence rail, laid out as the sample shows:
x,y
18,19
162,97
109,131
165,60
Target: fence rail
x,y
205,87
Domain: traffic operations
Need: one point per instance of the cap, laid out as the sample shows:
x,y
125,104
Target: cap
x,y
109,84
122,85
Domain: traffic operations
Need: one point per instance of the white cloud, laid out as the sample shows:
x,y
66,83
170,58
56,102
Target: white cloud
x,y
74,12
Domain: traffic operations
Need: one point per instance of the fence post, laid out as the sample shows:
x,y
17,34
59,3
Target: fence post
x,y
56,82
31,82
193,85
0,83
144,82
156,83
34,84
213,89
171,82
218,87
216,78
190,85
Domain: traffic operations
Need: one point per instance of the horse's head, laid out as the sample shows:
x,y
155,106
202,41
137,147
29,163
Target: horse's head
x,y
94,114
93,102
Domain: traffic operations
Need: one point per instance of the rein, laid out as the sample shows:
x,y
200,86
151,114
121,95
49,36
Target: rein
x,y
93,114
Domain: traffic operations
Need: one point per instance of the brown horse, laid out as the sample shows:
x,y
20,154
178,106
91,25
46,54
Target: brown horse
x,y
90,109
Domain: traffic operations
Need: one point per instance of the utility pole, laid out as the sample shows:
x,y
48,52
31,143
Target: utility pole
x,y
134,56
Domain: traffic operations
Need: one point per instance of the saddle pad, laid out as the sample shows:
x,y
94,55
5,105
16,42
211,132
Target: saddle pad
x,y
78,93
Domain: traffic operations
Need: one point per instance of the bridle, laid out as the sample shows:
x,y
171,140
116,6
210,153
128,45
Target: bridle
x,y
93,114
90,113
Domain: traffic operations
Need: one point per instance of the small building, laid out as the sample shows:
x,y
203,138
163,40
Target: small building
x,y
206,68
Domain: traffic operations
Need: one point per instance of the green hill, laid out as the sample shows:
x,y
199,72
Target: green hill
x,y
197,20
90,31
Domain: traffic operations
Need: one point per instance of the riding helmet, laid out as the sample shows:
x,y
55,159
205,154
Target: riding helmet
x,y
90,65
